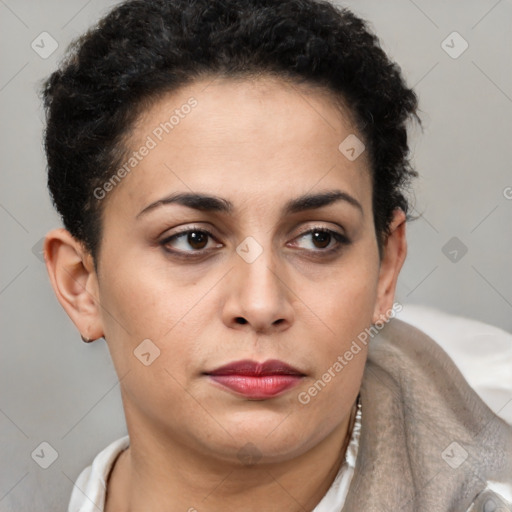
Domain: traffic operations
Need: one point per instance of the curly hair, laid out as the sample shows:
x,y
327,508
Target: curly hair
x,y
143,49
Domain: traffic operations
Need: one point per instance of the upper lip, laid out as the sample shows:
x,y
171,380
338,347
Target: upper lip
x,y
253,368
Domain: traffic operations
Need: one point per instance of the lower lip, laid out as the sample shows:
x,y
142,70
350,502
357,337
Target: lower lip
x,y
265,386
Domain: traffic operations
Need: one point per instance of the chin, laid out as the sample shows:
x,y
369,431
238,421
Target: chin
x,y
262,437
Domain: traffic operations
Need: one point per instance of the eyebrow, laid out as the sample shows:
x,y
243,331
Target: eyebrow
x,y
210,203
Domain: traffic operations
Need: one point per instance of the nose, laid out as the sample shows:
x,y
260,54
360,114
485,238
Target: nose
x,y
259,298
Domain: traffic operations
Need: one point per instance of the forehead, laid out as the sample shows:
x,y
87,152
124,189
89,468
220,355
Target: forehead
x,y
259,139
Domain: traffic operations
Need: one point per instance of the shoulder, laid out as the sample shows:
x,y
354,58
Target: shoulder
x,y
481,351
89,490
448,441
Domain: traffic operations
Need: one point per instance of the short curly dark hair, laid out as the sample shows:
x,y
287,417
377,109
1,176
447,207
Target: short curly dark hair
x,y
143,49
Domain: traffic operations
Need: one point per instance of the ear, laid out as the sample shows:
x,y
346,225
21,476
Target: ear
x,y
393,257
72,275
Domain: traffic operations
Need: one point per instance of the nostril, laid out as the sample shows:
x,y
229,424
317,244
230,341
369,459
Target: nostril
x,y
241,320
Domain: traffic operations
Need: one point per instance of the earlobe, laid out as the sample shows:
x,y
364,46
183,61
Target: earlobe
x,y
74,281
394,254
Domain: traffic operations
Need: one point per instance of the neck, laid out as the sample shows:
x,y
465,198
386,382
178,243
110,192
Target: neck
x,y
153,476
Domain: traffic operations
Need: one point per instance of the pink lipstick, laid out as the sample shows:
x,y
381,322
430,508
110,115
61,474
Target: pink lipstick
x,y
257,381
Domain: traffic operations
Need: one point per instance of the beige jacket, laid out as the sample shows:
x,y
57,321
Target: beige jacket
x,y
428,442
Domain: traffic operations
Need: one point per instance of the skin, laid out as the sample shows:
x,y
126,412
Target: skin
x,y
258,144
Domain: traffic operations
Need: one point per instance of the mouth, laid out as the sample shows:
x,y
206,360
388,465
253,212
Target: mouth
x,y
256,381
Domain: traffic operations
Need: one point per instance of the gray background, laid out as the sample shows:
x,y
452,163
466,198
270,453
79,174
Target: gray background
x,y
57,389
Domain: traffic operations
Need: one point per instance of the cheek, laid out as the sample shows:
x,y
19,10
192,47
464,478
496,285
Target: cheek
x,y
147,323
344,304
345,298
141,301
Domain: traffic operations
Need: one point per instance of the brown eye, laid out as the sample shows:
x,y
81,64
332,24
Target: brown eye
x,y
321,239
197,239
191,241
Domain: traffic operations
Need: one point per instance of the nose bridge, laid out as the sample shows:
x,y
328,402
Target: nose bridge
x,y
256,269
258,293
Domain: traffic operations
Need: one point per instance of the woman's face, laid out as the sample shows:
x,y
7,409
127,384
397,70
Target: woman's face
x,y
265,284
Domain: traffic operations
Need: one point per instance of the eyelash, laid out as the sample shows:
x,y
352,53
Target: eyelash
x,y
341,240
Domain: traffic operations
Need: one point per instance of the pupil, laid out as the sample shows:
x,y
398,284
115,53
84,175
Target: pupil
x,y
194,239
322,237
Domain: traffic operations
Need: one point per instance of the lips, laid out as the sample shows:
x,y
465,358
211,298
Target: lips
x,y
255,369
257,381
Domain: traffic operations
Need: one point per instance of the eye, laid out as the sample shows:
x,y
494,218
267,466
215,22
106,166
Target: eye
x,y
194,241
196,238
324,240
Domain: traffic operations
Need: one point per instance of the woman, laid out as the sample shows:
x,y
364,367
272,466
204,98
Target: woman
x,y
250,324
